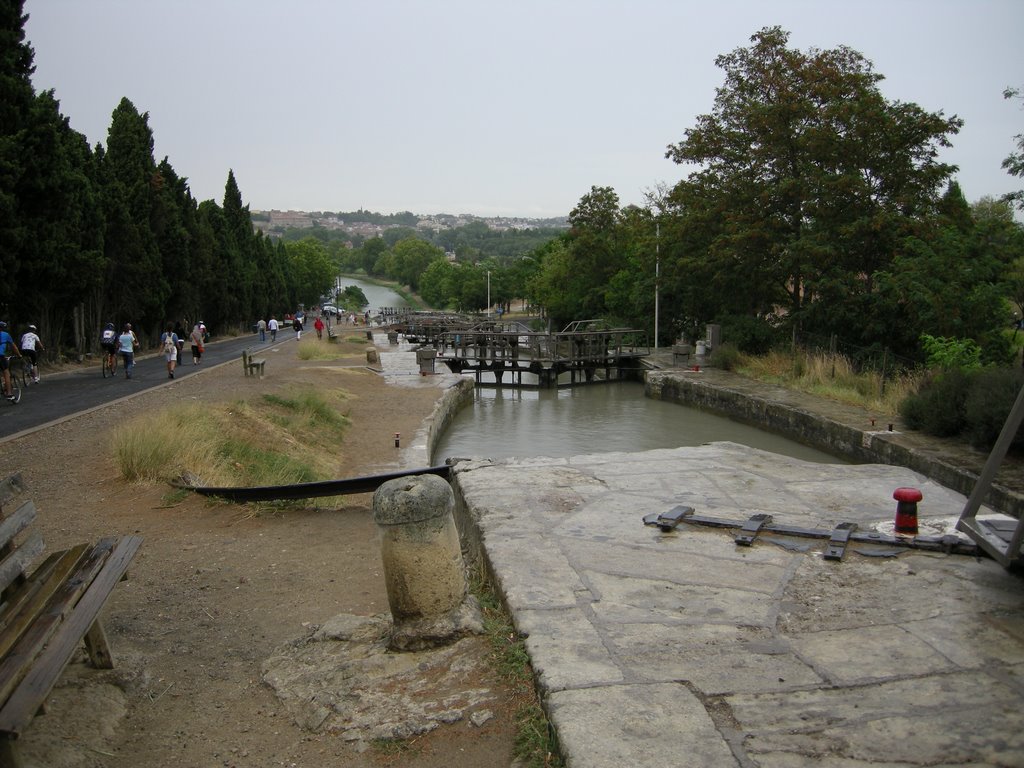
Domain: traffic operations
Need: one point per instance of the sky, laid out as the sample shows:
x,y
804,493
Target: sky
x,y
513,108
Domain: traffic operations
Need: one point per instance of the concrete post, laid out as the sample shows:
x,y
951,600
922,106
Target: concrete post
x,y
423,567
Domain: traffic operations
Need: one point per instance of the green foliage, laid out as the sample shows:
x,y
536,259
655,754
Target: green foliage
x,y
951,354
749,334
809,179
726,356
970,404
352,298
937,408
988,403
312,272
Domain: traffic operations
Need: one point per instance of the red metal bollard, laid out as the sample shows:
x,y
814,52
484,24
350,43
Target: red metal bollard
x,y
906,510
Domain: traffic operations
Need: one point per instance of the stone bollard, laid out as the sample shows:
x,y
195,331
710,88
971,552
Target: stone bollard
x,y
371,355
423,568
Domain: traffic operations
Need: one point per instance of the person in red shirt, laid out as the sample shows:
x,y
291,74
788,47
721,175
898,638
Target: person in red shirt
x,y
319,325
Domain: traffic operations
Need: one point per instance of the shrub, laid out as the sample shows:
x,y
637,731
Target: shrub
x,y
726,356
992,394
938,406
753,335
949,354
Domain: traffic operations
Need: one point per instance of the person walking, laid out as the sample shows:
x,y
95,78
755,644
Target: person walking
x,y
196,339
30,345
318,324
261,326
272,325
126,345
169,340
297,325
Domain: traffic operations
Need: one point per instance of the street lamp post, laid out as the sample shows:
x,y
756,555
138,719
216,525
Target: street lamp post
x,y
488,294
657,277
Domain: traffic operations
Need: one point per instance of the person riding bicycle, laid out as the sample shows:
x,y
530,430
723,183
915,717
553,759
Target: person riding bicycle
x,y
30,344
108,342
7,347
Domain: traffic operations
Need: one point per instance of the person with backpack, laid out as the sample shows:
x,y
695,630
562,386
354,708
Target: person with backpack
x,y
108,342
169,340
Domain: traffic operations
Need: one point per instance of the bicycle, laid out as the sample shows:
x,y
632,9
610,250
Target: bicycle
x,y
109,365
23,373
15,397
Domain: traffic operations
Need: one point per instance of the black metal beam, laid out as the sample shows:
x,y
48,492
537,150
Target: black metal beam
x,y
365,484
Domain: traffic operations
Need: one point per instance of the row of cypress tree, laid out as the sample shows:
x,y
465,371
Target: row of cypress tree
x,y
97,234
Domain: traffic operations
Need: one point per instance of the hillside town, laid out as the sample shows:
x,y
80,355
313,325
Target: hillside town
x,y
275,222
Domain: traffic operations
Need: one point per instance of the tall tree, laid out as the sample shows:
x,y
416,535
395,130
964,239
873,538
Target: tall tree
x,y
808,177
1014,162
16,96
138,285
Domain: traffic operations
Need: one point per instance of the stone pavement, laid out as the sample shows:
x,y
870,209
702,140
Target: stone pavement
x,y
684,649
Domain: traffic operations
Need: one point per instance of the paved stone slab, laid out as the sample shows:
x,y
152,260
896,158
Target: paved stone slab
x,y
632,725
682,648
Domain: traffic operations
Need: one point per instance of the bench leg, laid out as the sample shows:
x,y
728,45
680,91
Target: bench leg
x,y
9,753
98,647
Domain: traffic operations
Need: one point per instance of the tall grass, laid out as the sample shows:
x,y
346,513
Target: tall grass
x,y
534,745
317,349
831,376
280,440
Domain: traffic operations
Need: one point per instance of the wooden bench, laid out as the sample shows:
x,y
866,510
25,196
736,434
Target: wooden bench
x,y
45,615
251,365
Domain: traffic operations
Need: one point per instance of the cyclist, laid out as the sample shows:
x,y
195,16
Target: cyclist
x,y
108,342
7,347
30,344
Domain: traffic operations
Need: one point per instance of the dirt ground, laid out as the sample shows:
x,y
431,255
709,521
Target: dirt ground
x,y
216,588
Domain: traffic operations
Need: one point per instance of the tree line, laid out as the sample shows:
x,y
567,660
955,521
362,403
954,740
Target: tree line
x,y
814,207
90,235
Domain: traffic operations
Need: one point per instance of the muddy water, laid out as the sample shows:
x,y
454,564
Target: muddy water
x,y
601,418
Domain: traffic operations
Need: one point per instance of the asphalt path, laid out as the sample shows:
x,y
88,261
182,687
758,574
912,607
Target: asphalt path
x,y
65,394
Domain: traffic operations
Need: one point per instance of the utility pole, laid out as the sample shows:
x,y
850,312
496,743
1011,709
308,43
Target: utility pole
x,y
657,277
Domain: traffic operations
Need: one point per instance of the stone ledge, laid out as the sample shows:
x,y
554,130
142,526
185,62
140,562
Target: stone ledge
x,y
801,418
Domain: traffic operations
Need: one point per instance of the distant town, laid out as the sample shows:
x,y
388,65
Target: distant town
x,y
367,225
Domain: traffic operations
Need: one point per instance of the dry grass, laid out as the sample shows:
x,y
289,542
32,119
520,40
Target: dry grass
x,y
312,348
275,440
831,376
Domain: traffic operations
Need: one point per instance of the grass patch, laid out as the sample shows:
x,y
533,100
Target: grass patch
x,y
279,440
535,745
315,349
394,749
832,377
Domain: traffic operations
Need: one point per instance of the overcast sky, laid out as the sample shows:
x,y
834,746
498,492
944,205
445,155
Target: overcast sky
x,y
492,108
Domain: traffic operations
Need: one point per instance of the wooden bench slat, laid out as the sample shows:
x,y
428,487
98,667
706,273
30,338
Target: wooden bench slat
x,y
23,703
16,562
15,523
23,655
32,597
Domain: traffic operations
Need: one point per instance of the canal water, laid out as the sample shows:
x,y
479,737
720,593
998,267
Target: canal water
x,y
599,418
